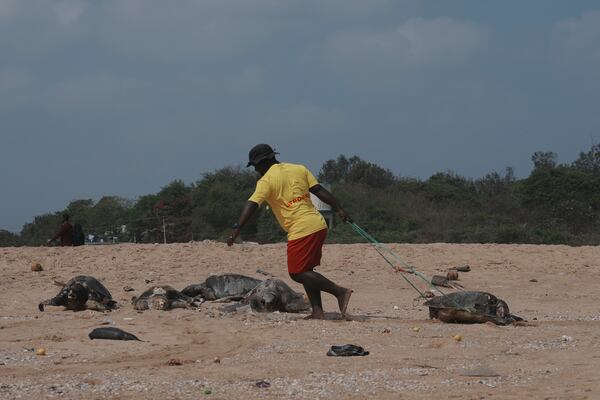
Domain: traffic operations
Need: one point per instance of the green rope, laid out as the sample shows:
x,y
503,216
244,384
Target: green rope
x,y
381,249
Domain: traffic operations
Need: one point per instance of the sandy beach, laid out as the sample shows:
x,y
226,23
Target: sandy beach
x,y
206,353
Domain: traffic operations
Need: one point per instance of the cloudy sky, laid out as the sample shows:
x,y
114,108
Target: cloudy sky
x,y
120,97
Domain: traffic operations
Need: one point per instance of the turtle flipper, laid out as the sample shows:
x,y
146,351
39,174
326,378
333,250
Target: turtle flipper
x,y
140,304
111,304
96,306
55,301
180,304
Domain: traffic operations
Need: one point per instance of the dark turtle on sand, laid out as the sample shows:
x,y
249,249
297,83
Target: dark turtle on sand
x,y
275,295
470,307
81,293
230,286
163,298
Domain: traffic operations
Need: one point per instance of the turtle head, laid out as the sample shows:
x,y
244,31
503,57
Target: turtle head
x,y
160,302
77,294
207,292
502,310
265,303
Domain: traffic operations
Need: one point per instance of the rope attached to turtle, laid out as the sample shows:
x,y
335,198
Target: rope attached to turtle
x,y
383,250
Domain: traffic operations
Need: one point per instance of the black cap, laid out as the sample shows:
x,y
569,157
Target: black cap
x,y
260,152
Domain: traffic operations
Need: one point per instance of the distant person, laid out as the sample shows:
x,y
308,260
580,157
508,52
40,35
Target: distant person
x,y
65,233
78,236
286,188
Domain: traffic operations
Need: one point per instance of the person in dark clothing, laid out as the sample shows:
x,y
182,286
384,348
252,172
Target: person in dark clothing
x,y
65,233
78,236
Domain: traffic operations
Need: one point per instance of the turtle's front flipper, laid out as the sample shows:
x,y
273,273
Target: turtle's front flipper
x,y
55,301
229,299
111,304
96,306
514,318
180,304
42,304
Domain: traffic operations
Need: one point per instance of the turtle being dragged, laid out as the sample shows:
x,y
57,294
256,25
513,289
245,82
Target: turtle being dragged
x,y
163,298
470,307
81,293
275,295
226,286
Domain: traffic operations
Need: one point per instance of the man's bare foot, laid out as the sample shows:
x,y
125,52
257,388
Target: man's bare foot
x,y
315,316
343,300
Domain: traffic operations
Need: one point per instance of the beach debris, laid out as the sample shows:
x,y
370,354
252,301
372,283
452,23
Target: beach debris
x,y
438,280
207,391
41,351
533,280
163,298
225,286
174,362
347,350
262,384
111,333
452,275
36,267
458,338
386,330
128,289
217,360
416,329
464,268
470,307
263,272
566,339
80,293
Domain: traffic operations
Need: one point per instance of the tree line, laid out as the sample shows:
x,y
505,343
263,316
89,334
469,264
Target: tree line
x,y
555,204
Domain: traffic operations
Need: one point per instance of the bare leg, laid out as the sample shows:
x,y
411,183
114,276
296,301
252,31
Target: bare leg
x,y
316,281
314,296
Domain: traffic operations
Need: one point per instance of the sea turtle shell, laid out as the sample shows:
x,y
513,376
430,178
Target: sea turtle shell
x,y
470,307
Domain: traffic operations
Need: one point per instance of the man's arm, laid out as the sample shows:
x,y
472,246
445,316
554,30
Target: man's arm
x,y
247,212
326,196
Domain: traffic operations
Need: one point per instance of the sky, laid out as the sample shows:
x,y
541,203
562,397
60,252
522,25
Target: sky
x,y
121,97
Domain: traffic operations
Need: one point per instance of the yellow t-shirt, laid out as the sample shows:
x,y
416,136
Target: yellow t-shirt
x,y
285,188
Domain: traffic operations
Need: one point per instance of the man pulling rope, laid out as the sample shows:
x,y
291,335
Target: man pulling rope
x,y
286,188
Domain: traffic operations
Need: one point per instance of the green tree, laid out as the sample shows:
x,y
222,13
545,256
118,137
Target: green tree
x,y
217,200
144,221
175,206
589,161
9,239
544,159
355,170
42,228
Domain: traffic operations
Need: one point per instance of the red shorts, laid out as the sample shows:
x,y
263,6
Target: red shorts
x,y
305,253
